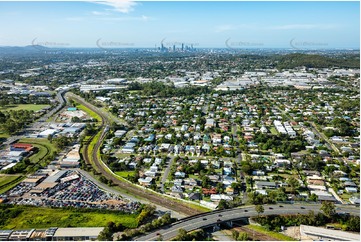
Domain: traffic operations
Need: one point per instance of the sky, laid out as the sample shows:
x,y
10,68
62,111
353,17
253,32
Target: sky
x,y
125,23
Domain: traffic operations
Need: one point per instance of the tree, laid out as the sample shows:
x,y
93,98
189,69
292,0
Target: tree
x,y
182,235
293,183
147,212
61,142
242,236
109,230
313,197
353,223
328,208
223,204
259,209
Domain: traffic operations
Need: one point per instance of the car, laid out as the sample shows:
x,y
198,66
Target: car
x,y
218,220
246,211
158,233
220,215
281,206
302,207
204,218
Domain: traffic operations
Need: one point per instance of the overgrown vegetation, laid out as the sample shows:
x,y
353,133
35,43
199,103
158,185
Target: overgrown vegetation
x,y
274,222
24,217
197,235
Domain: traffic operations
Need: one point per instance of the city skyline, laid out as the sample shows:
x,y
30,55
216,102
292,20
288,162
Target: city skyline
x,y
147,24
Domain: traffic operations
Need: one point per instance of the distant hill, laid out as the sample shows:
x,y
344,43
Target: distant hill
x,y
317,61
30,49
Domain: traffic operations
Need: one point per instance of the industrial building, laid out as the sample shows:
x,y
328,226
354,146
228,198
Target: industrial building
x,y
51,234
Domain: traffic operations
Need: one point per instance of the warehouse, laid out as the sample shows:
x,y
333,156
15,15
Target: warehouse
x,y
90,233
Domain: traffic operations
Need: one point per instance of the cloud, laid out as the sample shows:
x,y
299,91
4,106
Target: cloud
x,y
303,26
140,18
123,6
100,13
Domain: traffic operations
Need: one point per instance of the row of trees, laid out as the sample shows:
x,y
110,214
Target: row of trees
x,y
14,120
328,215
154,224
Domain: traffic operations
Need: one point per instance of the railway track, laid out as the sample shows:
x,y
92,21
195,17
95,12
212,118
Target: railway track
x,y
99,167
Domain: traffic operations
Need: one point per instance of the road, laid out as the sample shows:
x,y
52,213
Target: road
x,y
35,125
216,217
325,138
91,157
166,172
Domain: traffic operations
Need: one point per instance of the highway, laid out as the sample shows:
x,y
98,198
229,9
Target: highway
x,y
216,217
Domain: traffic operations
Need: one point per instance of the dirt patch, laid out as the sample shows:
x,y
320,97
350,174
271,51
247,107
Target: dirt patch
x,y
293,232
254,235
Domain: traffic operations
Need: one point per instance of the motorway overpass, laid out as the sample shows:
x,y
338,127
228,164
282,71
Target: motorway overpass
x,y
217,217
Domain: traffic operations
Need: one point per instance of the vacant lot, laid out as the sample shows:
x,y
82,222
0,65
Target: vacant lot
x,y
30,107
271,234
90,112
125,174
39,217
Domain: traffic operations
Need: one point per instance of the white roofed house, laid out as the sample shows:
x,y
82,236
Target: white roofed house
x,y
218,197
263,129
265,185
180,174
184,128
282,163
178,182
209,123
145,181
150,174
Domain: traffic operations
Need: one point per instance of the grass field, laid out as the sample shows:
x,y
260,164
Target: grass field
x,y
44,146
30,107
42,152
124,174
275,235
7,182
90,112
40,217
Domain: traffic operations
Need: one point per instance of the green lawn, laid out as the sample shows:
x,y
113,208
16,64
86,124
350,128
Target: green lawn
x,y
40,217
42,152
275,235
273,131
30,107
7,182
122,155
4,136
346,196
124,174
90,112
7,179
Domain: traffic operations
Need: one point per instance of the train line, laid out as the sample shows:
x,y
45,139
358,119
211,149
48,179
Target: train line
x,y
131,189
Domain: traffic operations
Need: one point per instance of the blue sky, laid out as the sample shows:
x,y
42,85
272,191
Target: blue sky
x,y
203,24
